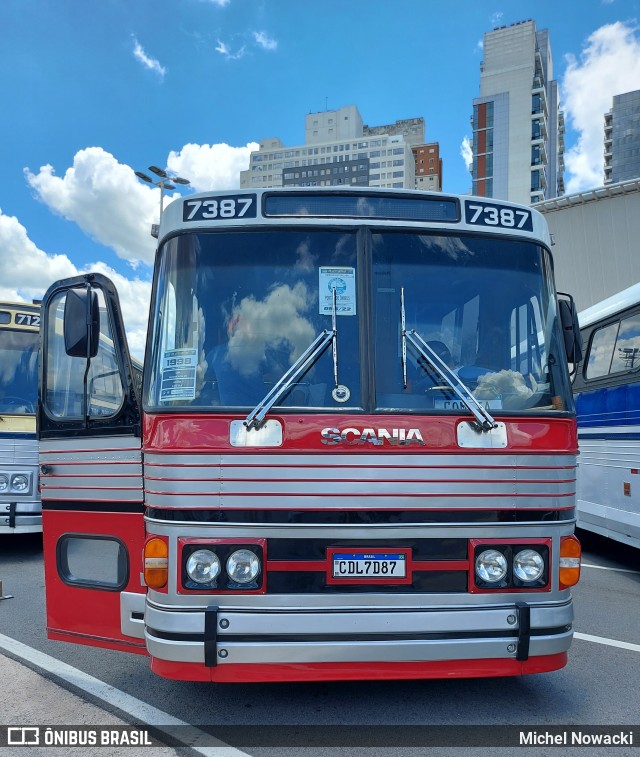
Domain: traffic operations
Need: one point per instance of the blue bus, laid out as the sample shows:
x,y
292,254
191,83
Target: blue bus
x,y
607,395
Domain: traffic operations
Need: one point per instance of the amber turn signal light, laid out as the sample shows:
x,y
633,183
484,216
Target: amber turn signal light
x,y
156,563
570,553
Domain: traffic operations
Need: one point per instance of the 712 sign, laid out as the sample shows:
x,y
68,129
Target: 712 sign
x,y
501,216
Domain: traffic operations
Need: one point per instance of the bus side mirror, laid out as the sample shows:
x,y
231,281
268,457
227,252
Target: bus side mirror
x,y
81,323
570,328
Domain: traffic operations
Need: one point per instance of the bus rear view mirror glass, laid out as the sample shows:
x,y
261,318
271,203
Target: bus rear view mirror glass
x,y
570,329
81,323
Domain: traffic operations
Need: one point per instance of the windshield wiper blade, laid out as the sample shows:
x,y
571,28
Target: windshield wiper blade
x,y
256,417
484,419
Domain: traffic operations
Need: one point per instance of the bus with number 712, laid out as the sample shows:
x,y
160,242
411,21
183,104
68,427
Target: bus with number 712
x,y
352,456
20,510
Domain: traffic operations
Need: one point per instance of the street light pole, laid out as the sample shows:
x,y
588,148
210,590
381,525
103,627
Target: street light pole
x,y
164,182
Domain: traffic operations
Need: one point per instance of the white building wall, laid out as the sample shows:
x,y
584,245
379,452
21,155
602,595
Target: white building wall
x,y
597,241
332,125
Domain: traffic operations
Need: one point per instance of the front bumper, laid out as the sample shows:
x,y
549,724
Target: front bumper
x,y
215,637
20,517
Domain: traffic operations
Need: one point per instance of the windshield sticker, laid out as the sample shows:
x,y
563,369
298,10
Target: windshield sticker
x,y
179,375
343,280
494,404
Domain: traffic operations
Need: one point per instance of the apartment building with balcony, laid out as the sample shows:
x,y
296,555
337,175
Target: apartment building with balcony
x,y
339,150
518,127
622,138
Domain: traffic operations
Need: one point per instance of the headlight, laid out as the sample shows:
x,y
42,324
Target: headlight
x,y
4,482
19,483
243,566
203,566
528,565
491,566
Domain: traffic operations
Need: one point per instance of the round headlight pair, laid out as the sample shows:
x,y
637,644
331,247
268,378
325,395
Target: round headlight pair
x,y
491,565
19,482
203,566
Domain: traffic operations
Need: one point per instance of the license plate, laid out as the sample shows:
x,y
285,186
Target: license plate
x,y
368,566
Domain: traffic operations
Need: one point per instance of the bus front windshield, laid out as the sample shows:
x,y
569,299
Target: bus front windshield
x,y
235,310
18,371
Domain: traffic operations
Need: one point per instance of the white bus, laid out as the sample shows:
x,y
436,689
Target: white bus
x,y
607,395
20,509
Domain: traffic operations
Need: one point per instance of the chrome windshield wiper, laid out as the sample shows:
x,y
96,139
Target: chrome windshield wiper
x,y
483,417
256,417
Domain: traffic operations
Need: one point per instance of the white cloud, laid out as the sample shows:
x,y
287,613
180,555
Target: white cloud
x,y
265,42
105,199
466,152
225,50
26,272
151,63
134,296
219,3
280,315
496,18
211,166
609,65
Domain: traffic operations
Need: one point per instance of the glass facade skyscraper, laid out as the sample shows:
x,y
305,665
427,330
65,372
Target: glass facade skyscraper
x,y
622,138
518,127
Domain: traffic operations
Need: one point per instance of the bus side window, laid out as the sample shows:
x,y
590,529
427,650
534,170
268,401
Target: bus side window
x,y
65,374
626,356
599,359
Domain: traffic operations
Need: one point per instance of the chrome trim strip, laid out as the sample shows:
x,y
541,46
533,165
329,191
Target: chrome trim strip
x,y
377,651
290,622
346,460
91,444
105,469
367,502
378,480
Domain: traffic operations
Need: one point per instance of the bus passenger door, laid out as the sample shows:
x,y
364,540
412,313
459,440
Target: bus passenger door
x,y
90,468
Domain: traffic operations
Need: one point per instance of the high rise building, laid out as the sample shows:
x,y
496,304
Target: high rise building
x,y
428,167
339,150
518,127
622,138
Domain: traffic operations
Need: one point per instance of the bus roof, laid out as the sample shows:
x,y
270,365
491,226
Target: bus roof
x,y
610,306
20,315
352,206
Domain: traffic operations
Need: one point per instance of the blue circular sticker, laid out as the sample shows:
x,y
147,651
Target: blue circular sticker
x,y
340,285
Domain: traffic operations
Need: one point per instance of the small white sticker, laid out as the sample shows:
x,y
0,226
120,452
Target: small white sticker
x,y
495,404
179,375
343,280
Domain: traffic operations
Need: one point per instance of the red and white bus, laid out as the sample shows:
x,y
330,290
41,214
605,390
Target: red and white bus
x,y
353,454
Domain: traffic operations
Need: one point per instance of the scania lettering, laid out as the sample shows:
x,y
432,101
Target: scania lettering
x,y
352,456
20,509
372,436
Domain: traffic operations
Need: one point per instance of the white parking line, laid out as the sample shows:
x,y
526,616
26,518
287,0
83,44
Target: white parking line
x,y
604,567
139,711
607,642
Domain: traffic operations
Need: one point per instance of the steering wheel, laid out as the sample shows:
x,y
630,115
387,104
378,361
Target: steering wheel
x,y
11,401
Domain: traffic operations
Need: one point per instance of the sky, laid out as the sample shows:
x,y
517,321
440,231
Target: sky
x,y
93,91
